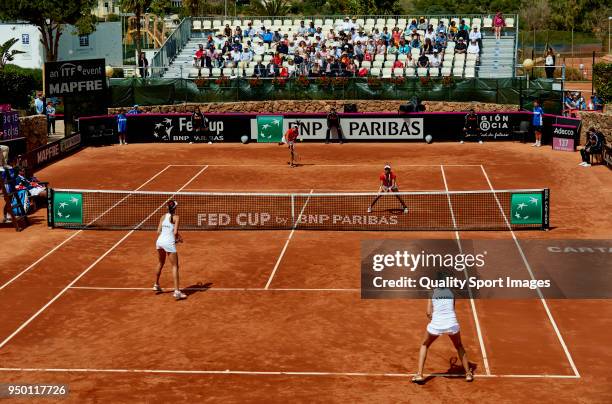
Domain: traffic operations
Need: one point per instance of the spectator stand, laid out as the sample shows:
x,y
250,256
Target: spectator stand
x,y
243,32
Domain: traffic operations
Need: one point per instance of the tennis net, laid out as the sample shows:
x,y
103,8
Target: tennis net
x,y
439,210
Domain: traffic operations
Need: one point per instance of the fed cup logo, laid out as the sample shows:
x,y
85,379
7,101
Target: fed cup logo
x,y
163,129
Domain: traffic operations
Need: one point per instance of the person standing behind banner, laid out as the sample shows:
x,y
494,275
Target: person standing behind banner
x,y
471,127
333,121
549,64
143,65
538,123
39,104
50,118
200,123
121,126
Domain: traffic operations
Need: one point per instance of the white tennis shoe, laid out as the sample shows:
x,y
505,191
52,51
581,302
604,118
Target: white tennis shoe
x,y
370,210
178,295
157,288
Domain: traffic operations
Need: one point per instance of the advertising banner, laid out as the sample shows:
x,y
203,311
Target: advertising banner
x,y
75,77
10,125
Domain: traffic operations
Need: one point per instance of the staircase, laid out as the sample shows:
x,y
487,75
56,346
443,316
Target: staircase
x,y
497,58
183,63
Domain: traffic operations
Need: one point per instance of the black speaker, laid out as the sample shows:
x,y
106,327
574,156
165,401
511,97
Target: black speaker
x,y
350,108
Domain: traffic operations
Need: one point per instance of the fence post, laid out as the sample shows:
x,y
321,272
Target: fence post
x,y
592,66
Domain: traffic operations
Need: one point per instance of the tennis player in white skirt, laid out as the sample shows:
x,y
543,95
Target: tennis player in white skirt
x,y
441,312
167,238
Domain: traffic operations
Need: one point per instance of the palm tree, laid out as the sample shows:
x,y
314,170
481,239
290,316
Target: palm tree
x,y
270,7
138,7
7,55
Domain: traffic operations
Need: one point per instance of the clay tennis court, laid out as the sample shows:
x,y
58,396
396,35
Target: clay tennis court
x,y
277,315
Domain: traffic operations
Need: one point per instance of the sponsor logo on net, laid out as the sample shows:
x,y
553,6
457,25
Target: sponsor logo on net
x,y
266,219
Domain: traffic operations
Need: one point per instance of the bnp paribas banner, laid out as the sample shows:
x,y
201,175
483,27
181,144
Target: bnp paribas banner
x,y
269,128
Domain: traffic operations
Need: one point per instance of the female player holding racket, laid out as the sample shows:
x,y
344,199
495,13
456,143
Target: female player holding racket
x,y
290,137
168,236
388,183
441,312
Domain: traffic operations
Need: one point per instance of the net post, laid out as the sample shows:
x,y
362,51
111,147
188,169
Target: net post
x,y
50,195
293,210
546,209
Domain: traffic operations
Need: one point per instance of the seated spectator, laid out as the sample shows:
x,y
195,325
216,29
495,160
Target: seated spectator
x,y
227,31
359,51
581,103
347,25
441,27
434,59
292,48
272,70
268,36
363,72
594,145
331,35
568,102
430,34
335,68
260,70
200,54
284,72
381,48
440,44
415,42
219,41
463,34
460,46
498,24
277,59
376,35
398,64
258,48
282,47
135,110
302,29
367,56
422,24
238,34
413,25
276,37
311,31
371,47
452,31
396,34
597,102
476,35
427,47
473,47
315,70
392,49
249,31
409,62
385,36
463,26
349,69
403,48
423,61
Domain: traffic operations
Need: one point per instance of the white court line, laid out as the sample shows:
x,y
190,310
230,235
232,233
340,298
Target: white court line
x,y
483,351
73,235
280,257
300,190
100,258
528,267
280,373
220,289
327,165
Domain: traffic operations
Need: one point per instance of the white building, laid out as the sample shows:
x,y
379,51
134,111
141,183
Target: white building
x,y
106,7
29,43
105,42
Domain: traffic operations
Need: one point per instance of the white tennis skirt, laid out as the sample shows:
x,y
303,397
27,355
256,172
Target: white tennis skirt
x,y
167,247
439,331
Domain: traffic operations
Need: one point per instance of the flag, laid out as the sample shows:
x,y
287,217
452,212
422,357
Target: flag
x,y
269,128
68,207
526,209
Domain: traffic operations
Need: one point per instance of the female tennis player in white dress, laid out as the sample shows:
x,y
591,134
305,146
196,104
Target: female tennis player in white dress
x,y
167,238
441,312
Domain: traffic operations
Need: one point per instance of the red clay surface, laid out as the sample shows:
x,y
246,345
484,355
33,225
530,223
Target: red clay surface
x,y
113,340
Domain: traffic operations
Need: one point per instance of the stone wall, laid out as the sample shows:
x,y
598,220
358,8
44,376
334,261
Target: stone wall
x,y
599,121
321,106
34,129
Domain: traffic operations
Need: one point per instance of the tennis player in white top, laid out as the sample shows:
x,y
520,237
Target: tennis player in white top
x,y
441,312
167,238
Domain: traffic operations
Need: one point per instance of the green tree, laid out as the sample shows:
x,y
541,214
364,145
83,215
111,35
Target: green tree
x,y
49,16
6,54
138,8
269,7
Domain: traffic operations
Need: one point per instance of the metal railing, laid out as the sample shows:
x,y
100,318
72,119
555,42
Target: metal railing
x,y
171,47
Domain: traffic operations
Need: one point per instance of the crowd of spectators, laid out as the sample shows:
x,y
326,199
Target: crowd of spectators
x,y
346,50
574,100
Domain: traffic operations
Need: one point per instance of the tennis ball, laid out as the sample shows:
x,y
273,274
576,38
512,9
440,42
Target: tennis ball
x,y
209,142
301,140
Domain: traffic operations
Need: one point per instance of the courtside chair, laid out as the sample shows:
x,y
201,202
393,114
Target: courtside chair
x,y
318,22
433,21
476,21
387,73
206,25
409,72
402,57
216,24
375,71
402,22
249,71
389,64
470,71
197,25
370,21
422,71
509,22
458,71
215,72
378,64
398,72
467,22
367,64
487,22
256,24
445,71
236,23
